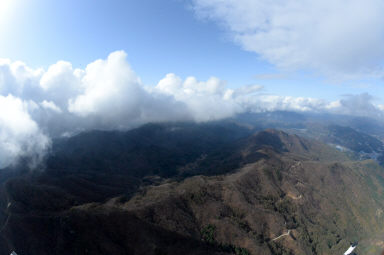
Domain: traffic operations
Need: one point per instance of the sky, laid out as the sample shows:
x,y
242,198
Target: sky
x,y
160,37
71,66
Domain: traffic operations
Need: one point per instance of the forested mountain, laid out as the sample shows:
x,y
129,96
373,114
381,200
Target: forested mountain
x,y
216,188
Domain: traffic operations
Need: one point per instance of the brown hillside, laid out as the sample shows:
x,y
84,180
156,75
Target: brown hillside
x,y
281,194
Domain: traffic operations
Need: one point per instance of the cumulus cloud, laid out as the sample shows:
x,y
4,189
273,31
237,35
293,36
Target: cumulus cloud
x,y
283,103
19,134
113,96
360,105
205,101
335,37
37,104
212,100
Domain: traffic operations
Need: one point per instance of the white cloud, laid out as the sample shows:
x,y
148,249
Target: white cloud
x,y
336,37
107,84
113,94
282,103
19,134
51,106
360,105
60,82
36,104
209,100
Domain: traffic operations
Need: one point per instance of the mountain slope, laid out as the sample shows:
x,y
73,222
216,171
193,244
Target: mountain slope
x,y
323,205
225,193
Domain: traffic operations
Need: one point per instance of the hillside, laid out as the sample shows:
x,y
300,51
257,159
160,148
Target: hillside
x,y
361,137
193,189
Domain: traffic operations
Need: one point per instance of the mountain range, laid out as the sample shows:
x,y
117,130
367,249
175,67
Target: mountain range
x,y
292,185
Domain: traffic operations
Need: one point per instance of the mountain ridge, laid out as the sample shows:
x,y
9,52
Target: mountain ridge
x,y
236,198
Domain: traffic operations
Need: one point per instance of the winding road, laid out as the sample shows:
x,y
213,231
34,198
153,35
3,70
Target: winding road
x,y
286,234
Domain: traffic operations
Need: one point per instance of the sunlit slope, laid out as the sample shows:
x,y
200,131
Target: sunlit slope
x,y
324,204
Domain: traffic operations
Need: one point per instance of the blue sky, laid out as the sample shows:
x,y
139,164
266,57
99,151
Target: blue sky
x,y
159,37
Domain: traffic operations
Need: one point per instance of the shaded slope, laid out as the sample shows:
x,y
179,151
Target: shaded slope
x,y
97,230
154,149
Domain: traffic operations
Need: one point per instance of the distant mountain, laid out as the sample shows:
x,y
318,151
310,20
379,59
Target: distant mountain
x,y
354,140
362,136
304,120
182,188
275,119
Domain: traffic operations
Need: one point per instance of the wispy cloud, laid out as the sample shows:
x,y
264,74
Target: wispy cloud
x,y
338,38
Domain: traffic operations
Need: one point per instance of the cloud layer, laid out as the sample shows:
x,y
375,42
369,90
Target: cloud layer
x,y
38,104
335,37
